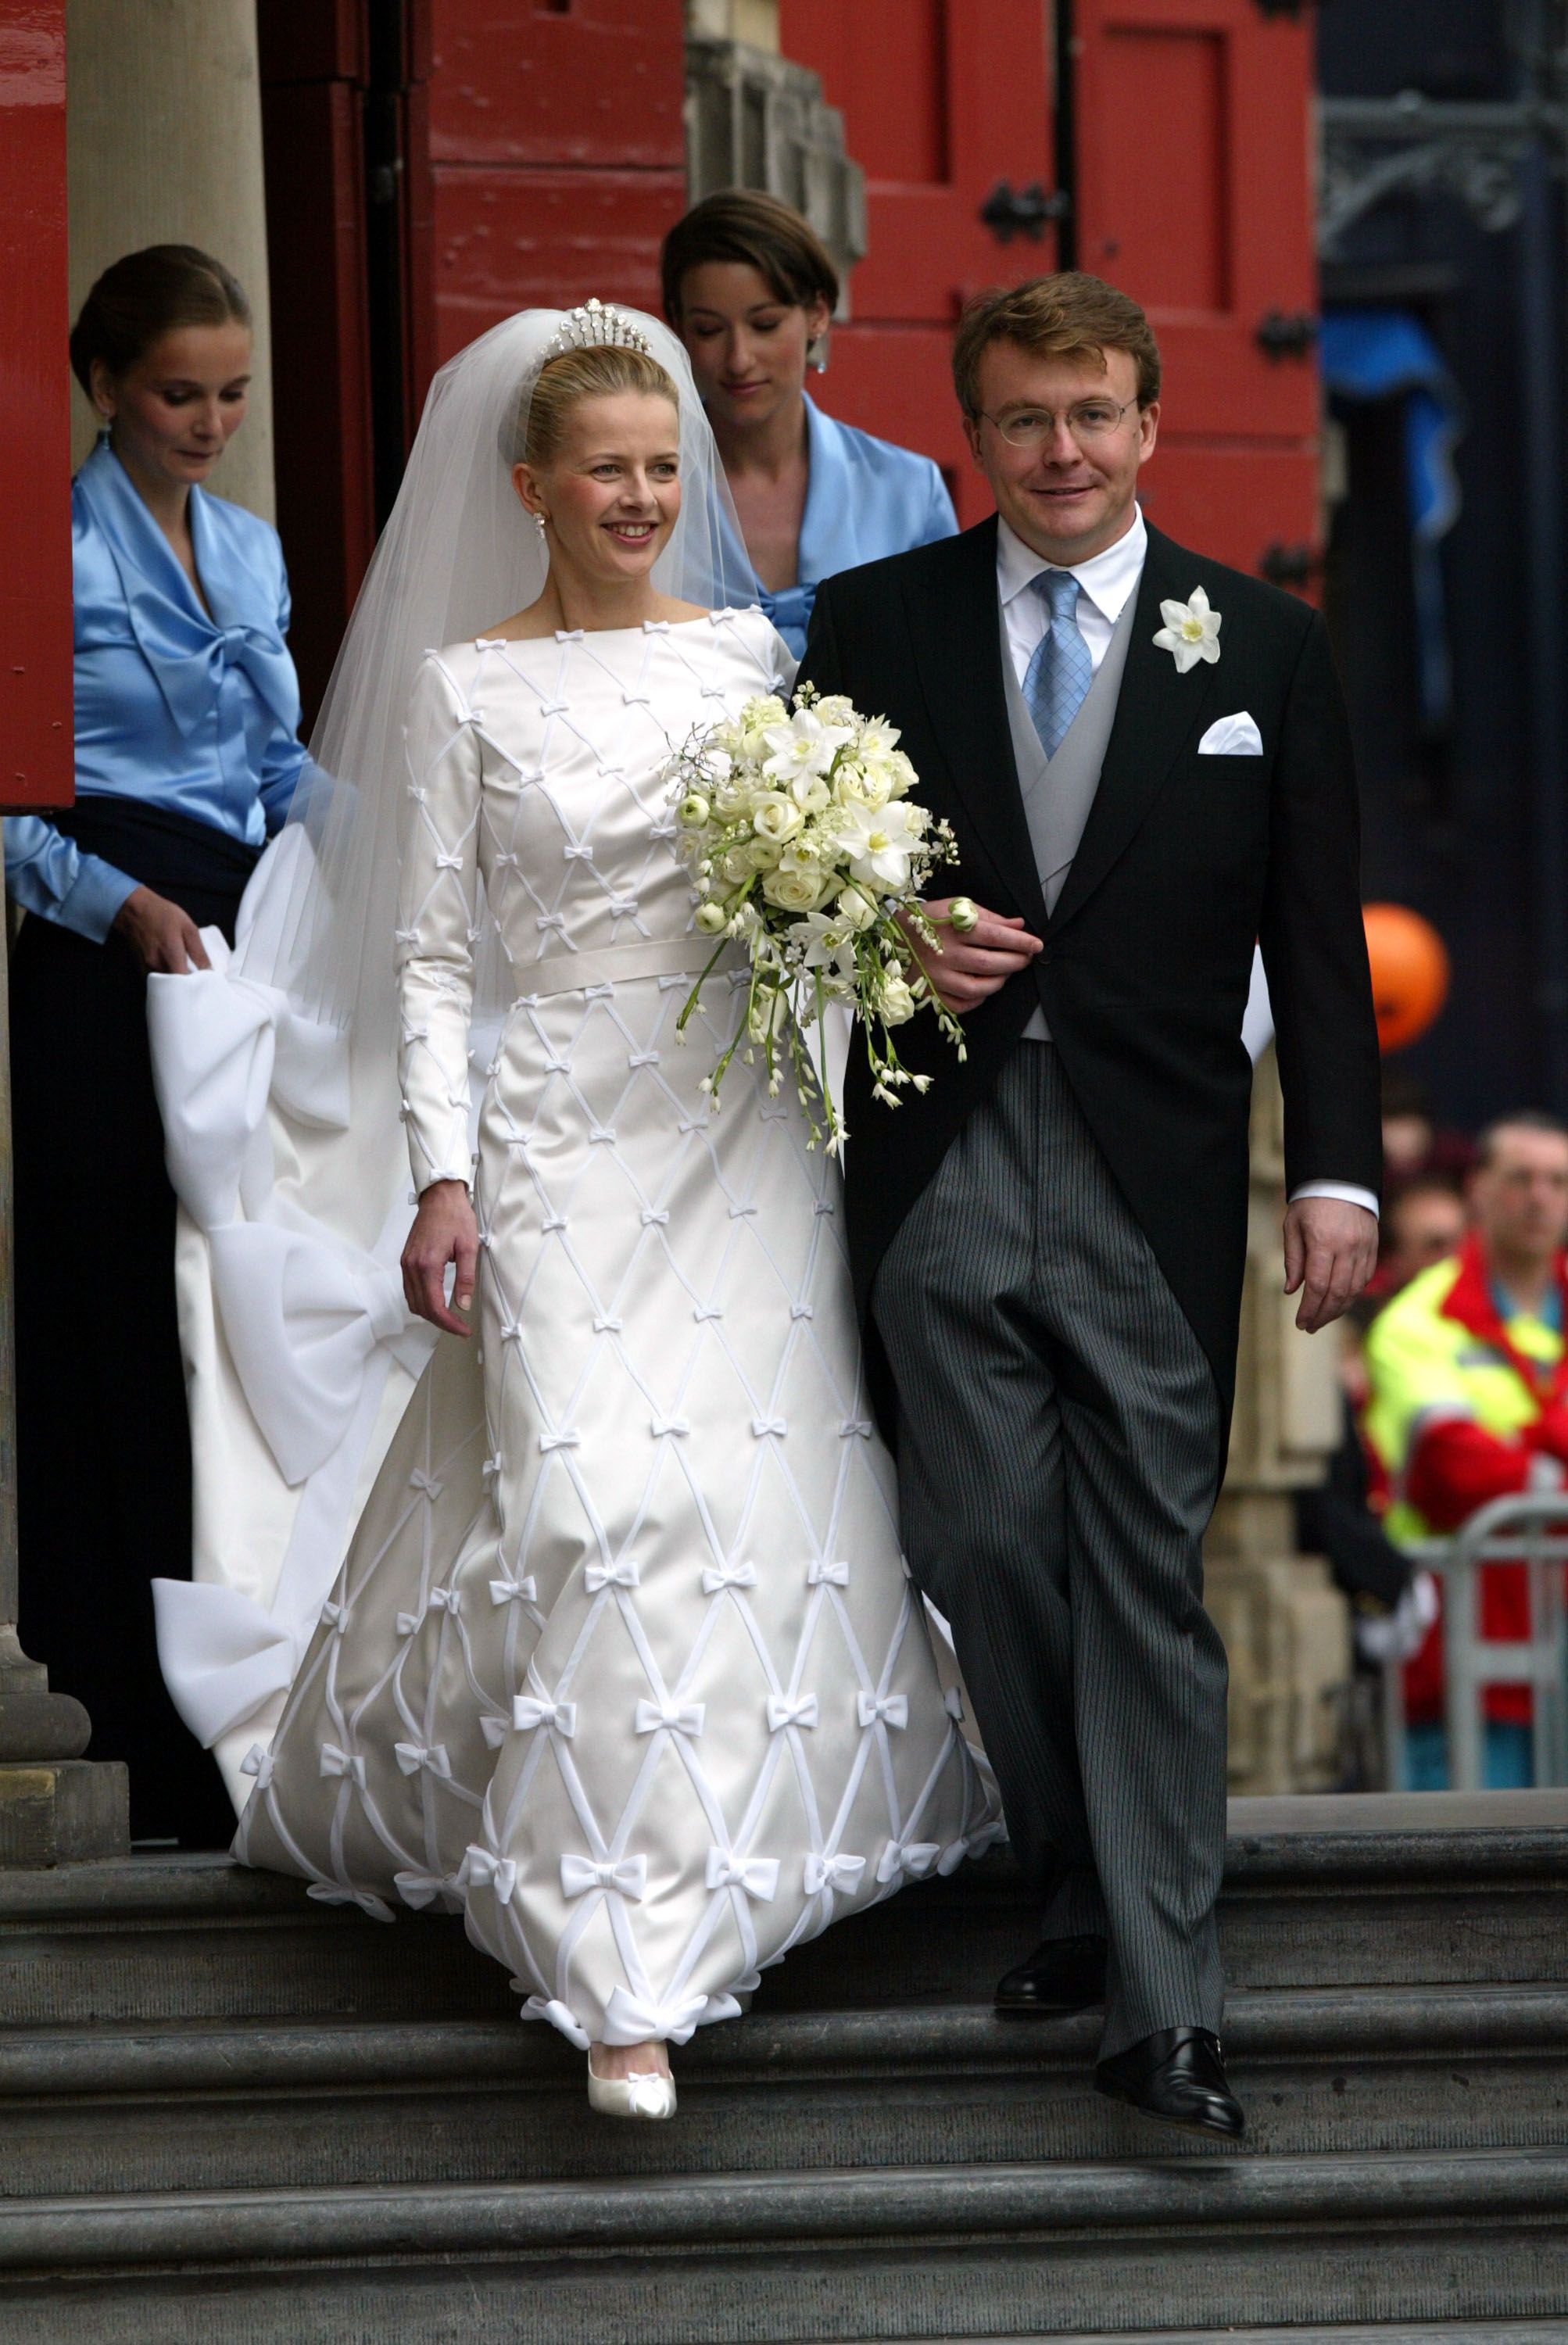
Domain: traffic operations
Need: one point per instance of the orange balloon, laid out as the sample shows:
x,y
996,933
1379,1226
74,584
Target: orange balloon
x,y
1410,972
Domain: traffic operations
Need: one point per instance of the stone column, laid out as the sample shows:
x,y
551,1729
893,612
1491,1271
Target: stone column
x,y
163,126
1287,1628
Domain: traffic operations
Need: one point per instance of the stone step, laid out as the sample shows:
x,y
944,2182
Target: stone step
x,y
1046,2251
1363,1891
331,2104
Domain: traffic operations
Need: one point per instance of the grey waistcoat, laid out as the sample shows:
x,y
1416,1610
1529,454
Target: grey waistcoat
x,y
1058,791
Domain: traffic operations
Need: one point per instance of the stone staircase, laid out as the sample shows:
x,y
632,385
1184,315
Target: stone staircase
x,y
229,2113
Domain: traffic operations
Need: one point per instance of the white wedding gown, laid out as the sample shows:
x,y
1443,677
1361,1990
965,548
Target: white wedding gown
x,y
623,1660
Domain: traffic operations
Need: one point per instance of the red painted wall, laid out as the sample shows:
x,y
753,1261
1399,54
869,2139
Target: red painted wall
x,y
36,744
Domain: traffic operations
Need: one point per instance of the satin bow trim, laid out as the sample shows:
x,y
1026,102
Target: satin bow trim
x,y
914,1856
480,1869
221,1655
332,1893
340,1762
411,1756
893,1708
302,1316
624,1574
828,1575
222,1046
791,1710
757,1875
832,1872
680,1718
513,1591
257,1762
538,2007
422,1888
728,1575
528,1711
629,1874
630,2020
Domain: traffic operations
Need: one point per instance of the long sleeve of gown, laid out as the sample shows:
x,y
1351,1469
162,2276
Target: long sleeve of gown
x,y
437,924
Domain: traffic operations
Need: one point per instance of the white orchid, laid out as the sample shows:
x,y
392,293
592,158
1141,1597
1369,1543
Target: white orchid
x,y
878,842
825,942
1191,631
803,746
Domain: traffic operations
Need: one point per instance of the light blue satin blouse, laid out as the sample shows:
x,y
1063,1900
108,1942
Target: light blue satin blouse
x,y
197,715
864,498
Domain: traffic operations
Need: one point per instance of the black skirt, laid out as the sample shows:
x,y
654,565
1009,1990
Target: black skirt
x,y
103,1439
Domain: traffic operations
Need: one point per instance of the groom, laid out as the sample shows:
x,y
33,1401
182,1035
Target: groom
x,y
1146,759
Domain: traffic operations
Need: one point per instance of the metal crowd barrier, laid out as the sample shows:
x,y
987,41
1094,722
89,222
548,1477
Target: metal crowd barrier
x,y
1532,1532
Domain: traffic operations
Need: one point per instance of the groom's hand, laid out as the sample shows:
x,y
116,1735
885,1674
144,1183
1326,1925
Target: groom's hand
x,y
967,969
1330,1252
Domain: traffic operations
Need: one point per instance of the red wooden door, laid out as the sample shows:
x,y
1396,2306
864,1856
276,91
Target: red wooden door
x,y
941,104
556,154
1192,123
36,739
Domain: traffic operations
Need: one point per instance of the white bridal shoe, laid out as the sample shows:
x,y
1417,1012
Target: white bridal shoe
x,y
647,2096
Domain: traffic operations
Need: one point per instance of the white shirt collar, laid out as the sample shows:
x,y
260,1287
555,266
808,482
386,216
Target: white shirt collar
x,y
1108,579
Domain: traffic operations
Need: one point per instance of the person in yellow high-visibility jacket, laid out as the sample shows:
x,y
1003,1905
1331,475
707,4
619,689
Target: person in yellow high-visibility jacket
x,y
1469,1377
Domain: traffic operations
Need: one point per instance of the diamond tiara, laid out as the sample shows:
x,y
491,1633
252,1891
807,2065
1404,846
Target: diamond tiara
x,y
594,325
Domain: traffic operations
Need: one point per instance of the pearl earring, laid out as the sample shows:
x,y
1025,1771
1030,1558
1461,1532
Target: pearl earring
x,y
540,523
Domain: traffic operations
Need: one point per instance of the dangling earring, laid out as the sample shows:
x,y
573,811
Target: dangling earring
x,y
816,354
541,523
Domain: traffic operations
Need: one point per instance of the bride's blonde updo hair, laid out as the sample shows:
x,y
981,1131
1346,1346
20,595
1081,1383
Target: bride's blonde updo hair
x,y
564,381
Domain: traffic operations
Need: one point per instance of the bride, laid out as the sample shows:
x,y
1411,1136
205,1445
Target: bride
x,y
623,1661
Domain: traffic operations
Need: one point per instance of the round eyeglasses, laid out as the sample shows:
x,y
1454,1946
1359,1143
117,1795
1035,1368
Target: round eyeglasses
x,y
1032,426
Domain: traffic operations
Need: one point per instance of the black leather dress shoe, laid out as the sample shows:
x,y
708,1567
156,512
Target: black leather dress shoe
x,y
1063,1975
1178,2077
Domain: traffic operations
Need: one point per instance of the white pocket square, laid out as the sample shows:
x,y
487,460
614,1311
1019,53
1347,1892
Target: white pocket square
x,y
1232,737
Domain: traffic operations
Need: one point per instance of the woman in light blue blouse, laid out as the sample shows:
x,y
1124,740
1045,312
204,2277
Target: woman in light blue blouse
x,y
186,759
750,290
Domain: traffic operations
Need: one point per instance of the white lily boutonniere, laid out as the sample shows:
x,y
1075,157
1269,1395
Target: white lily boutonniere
x,y
1191,632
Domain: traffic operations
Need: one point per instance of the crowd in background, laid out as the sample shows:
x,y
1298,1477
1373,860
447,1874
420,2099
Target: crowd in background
x,y
1455,1376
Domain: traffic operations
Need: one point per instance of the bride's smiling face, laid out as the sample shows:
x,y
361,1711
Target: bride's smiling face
x,y
610,492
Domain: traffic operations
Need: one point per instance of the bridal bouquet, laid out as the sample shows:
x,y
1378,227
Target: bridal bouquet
x,y
803,843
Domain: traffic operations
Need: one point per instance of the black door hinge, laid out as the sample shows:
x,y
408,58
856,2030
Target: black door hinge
x,y
1279,336
1030,208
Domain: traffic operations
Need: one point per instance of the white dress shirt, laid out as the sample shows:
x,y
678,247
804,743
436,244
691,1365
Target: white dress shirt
x,y
1107,581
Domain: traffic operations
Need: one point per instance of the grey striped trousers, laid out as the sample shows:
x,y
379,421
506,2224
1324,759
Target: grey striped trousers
x,y
1058,1460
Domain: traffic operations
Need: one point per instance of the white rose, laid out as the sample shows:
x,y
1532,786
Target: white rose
x,y
776,817
855,910
712,919
738,865
793,891
835,709
895,1002
902,775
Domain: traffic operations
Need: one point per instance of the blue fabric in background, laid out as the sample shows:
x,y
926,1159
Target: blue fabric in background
x,y
865,498
191,711
1379,354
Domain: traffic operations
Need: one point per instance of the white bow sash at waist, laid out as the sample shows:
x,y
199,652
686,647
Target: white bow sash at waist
x,y
574,972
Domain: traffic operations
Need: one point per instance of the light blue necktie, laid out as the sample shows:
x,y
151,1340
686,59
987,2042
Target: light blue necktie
x,y
1061,671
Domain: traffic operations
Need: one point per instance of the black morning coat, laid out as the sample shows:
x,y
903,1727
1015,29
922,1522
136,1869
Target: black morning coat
x,y
1185,862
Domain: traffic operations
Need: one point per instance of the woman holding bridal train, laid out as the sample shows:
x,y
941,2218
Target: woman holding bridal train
x,y
624,1660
